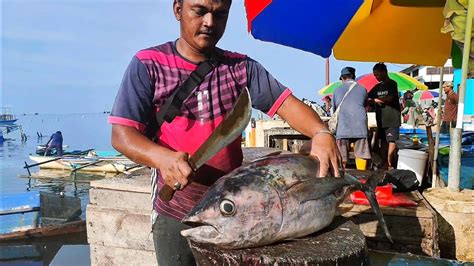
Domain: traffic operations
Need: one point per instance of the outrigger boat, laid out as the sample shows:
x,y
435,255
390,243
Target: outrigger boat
x,y
39,214
116,164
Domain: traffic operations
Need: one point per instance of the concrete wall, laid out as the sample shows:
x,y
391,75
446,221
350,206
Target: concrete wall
x,y
456,221
118,221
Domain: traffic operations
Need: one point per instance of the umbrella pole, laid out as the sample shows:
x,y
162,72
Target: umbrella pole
x,y
327,71
434,177
456,136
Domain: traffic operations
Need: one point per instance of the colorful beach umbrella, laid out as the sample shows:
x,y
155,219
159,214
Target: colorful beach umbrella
x,y
329,89
313,25
404,81
370,30
425,95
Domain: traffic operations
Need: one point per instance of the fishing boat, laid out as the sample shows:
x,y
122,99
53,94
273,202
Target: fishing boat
x,y
40,149
114,164
39,214
6,117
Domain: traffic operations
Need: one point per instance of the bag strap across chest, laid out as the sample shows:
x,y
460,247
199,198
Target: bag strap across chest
x,y
171,107
343,98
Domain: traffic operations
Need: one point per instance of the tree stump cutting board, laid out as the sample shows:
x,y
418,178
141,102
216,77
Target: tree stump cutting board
x,y
341,243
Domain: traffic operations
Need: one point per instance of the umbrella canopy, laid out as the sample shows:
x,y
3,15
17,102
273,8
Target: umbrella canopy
x,y
370,30
404,81
390,31
425,95
329,89
313,26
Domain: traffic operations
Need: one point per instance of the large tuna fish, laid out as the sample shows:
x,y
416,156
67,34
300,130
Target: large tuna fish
x,y
271,199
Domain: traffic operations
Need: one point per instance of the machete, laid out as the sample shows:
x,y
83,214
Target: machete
x,y
227,131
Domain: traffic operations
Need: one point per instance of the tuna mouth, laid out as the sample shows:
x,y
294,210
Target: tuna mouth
x,y
200,231
203,234
196,224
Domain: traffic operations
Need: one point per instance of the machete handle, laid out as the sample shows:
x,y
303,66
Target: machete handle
x,y
166,193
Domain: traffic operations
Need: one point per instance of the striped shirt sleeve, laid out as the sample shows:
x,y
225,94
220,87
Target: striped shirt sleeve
x,y
134,101
266,92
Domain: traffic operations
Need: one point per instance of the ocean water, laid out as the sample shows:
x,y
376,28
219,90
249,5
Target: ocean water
x,y
80,132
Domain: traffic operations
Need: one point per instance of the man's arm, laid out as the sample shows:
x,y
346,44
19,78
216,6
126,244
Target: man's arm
x,y
50,139
334,101
387,99
306,121
134,145
133,104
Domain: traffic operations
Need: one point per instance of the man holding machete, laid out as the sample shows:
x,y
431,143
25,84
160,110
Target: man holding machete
x,y
189,85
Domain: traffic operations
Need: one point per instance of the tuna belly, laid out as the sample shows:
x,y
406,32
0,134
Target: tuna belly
x,y
304,218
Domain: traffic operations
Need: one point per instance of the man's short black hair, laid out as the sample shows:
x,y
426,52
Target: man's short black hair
x,y
380,67
181,1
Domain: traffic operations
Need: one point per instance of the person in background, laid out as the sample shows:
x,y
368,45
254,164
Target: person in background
x,y
407,103
155,73
384,96
352,118
327,104
450,108
411,111
55,142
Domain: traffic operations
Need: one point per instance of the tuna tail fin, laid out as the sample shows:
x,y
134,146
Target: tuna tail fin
x,y
369,190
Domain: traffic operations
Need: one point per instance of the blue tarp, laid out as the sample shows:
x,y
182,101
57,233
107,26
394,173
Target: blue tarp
x,y
467,169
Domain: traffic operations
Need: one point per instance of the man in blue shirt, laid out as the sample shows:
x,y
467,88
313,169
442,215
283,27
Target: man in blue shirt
x,y
352,118
55,142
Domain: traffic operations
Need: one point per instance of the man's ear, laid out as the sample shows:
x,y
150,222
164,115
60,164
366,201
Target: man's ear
x,y
177,8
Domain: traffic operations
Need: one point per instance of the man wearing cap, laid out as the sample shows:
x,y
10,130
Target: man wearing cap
x,y
352,118
450,108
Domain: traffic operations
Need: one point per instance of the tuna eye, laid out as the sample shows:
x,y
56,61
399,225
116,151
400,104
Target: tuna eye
x,y
227,207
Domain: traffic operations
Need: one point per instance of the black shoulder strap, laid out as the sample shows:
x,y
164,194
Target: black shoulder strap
x,y
172,106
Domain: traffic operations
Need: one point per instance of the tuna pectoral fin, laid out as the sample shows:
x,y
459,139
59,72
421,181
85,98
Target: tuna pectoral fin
x,y
315,188
369,190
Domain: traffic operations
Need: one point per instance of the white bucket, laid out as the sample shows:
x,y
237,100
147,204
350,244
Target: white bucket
x,y
412,160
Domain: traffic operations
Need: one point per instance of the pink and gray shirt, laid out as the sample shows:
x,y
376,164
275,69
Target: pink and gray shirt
x,y
154,74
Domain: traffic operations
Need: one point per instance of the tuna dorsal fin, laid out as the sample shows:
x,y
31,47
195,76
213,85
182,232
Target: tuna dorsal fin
x,y
315,188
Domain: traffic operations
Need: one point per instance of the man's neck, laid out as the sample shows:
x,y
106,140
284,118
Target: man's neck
x,y
189,52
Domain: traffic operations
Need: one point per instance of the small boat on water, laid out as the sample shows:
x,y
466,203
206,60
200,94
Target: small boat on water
x,y
40,149
113,164
39,214
6,117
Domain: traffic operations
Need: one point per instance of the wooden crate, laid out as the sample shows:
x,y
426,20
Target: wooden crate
x,y
413,229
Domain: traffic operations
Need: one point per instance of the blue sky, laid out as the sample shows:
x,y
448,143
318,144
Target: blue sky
x,y
68,56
